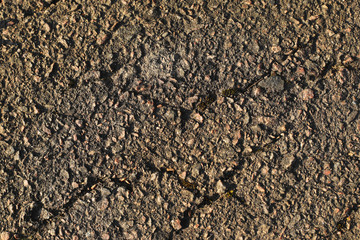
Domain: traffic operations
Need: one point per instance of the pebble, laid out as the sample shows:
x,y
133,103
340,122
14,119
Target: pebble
x,y
288,161
122,133
260,188
196,170
46,27
198,117
102,38
79,122
5,236
105,236
327,172
220,188
170,115
44,214
105,191
92,75
237,136
159,200
64,174
17,156
257,91
192,100
176,224
10,150
352,116
307,94
52,232
276,49
35,110
246,118
74,185
190,142
300,71
26,183
103,204
273,84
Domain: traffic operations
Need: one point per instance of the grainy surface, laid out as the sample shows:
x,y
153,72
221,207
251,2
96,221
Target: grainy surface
x,y
179,119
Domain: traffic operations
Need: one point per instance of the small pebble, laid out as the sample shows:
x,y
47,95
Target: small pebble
x,y
192,100
257,91
273,84
288,161
264,170
26,183
198,117
276,49
75,237
260,188
5,236
170,115
79,122
17,156
103,204
105,236
190,142
220,188
122,133
74,185
92,75
300,71
35,110
307,94
102,38
176,224
52,232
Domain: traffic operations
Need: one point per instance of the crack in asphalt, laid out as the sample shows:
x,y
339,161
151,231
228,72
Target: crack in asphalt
x,y
93,182
91,185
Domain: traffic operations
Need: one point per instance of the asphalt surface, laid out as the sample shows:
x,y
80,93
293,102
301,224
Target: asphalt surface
x,y
179,119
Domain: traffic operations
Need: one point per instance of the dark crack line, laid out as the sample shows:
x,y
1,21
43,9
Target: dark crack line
x,y
210,199
188,214
91,184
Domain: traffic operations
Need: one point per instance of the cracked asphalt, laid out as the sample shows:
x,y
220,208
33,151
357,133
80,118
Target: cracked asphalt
x,y
179,119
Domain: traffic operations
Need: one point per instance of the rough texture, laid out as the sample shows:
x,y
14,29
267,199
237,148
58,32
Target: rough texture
x,y
179,119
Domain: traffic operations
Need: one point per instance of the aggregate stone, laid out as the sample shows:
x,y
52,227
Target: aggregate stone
x,y
307,94
273,84
287,161
220,188
5,236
